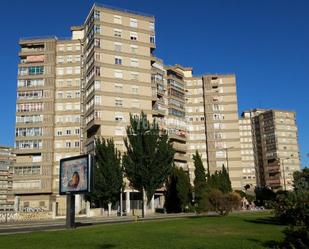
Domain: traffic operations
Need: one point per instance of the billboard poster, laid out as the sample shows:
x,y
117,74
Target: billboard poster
x,y
75,174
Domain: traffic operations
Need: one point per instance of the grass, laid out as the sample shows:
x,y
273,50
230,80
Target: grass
x,y
246,230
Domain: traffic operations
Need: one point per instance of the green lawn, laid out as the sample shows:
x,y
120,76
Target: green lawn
x,y
247,231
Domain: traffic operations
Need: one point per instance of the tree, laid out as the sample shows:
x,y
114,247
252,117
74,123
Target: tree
x,y
149,156
178,191
221,203
108,179
264,195
200,177
219,180
224,181
292,208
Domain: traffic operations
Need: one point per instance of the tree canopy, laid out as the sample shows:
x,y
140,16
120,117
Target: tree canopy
x,y
149,156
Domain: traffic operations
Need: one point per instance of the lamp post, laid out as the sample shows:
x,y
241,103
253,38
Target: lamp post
x,y
227,158
283,171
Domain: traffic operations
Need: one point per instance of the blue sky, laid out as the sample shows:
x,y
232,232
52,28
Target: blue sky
x,y
264,42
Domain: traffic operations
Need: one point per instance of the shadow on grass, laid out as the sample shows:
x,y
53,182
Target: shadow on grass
x,y
265,221
80,224
266,244
105,246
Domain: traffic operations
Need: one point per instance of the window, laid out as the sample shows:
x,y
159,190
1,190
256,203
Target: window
x,y
69,70
117,32
69,59
118,116
36,70
133,49
117,19
118,74
118,131
77,131
151,26
60,59
97,29
118,46
60,71
68,144
118,87
134,62
118,60
133,23
152,39
134,76
76,144
97,100
118,102
97,42
97,85
133,36
135,89
96,15
68,132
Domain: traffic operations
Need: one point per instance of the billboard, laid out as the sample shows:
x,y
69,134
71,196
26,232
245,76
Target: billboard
x,y
75,174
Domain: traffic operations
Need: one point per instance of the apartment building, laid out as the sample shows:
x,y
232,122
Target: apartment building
x,y
247,146
6,171
72,90
276,148
212,121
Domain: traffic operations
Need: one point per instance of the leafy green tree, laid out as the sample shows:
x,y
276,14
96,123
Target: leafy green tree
x,y
184,189
178,191
219,180
200,177
224,181
264,196
292,208
108,179
149,156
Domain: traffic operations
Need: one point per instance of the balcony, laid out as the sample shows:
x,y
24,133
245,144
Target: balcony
x,y
180,157
180,147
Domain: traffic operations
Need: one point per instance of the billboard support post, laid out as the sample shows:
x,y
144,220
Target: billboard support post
x,y
70,215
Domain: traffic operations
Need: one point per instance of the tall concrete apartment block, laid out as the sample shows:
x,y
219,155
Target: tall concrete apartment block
x,y
212,121
72,90
276,148
6,172
247,145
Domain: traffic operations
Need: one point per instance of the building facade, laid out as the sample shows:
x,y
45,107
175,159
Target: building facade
x,y
71,91
276,148
7,159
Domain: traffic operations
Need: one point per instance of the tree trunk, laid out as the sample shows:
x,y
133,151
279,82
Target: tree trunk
x,y
143,203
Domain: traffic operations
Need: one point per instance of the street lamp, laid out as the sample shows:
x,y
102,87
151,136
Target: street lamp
x,y
227,157
283,169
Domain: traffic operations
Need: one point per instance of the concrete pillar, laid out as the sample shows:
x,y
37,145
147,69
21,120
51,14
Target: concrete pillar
x,y
16,203
109,208
152,207
54,209
88,209
128,210
78,204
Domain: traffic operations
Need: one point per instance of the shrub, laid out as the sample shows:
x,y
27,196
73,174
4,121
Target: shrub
x,y
221,203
